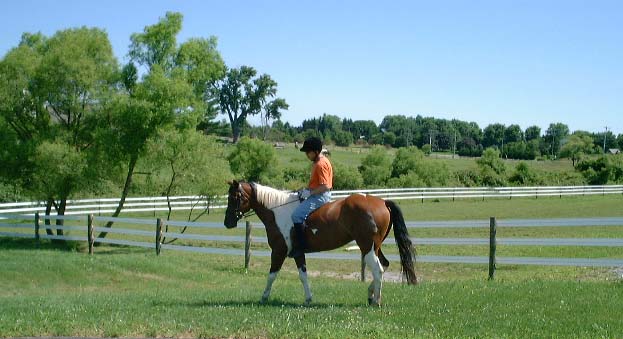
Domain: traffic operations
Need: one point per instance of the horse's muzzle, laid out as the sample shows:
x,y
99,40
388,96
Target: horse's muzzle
x,y
230,222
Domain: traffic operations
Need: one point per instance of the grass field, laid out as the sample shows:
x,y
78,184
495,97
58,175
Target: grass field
x,y
131,292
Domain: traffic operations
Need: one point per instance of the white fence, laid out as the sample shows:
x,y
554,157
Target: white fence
x,y
153,231
153,204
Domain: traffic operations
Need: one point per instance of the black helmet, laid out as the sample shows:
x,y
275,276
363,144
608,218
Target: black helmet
x,y
312,144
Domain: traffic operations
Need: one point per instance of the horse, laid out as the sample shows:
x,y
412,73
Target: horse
x,y
366,219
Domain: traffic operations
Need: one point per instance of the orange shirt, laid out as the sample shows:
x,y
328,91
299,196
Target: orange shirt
x,y
322,174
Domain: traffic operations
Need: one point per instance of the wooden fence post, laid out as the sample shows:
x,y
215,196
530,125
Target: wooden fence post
x,y
492,231
37,226
90,238
158,235
247,245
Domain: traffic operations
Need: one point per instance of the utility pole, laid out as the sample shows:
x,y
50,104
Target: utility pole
x,y
605,136
454,147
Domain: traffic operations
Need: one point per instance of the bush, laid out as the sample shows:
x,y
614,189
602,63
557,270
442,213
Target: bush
x,y
410,179
376,167
406,160
252,159
346,177
468,178
603,170
490,160
525,176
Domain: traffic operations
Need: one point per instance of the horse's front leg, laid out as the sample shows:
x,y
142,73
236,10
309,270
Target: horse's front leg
x,y
276,261
300,264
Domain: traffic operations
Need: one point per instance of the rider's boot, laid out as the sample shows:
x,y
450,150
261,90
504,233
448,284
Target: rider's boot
x,y
300,243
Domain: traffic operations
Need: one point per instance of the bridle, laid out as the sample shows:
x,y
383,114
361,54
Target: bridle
x,y
241,196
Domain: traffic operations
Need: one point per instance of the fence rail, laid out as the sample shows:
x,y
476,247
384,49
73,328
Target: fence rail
x,y
153,204
27,226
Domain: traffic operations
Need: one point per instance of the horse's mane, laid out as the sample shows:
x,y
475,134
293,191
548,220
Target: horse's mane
x,y
271,198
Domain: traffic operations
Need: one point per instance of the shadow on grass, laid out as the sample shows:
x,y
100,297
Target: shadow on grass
x,y
32,244
277,303
10,243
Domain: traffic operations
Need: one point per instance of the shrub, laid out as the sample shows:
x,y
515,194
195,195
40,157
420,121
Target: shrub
x,y
376,167
525,176
252,159
346,177
406,160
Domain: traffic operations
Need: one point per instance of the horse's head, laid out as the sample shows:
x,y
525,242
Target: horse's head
x,y
238,202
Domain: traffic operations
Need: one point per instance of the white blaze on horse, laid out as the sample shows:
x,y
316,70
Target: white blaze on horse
x,y
363,218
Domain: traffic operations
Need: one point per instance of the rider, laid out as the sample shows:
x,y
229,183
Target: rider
x,y
316,194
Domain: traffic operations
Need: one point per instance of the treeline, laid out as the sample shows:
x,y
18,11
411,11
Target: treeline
x,y
410,167
439,135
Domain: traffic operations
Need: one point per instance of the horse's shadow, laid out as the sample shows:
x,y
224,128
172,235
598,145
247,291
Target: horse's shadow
x,y
251,303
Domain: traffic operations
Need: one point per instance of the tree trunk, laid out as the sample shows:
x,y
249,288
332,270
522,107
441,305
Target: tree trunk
x,y
235,126
48,210
61,211
124,194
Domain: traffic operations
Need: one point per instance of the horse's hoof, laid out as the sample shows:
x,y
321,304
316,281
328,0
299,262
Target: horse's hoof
x,y
369,301
307,302
263,300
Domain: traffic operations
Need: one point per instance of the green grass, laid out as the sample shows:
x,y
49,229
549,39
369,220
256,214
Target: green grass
x,y
132,293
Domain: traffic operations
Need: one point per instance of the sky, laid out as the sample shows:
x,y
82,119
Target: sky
x,y
510,62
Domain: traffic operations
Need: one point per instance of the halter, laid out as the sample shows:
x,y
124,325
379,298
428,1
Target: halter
x,y
239,199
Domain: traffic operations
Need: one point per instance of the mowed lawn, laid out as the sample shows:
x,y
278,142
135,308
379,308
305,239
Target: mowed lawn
x,y
131,292
123,292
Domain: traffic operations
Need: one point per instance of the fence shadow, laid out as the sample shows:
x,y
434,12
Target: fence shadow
x,y
8,243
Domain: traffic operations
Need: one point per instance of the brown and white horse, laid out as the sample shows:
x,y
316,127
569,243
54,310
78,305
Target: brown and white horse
x,y
363,218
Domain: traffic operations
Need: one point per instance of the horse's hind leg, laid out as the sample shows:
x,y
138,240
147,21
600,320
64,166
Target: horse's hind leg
x,y
374,290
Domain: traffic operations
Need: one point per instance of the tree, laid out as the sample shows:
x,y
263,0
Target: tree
x,y
171,94
532,133
554,135
272,111
242,93
192,164
493,135
576,146
53,92
513,133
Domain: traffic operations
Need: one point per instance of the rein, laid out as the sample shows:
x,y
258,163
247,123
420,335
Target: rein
x,y
251,212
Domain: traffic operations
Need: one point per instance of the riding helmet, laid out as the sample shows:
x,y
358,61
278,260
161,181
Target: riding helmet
x,y
312,144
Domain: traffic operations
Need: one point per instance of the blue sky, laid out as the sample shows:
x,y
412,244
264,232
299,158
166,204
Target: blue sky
x,y
523,62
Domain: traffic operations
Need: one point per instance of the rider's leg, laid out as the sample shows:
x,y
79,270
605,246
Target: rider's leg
x,y
298,218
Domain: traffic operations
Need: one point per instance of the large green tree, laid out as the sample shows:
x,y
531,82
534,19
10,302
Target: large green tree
x,y
53,91
576,146
554,136
176,91
242,93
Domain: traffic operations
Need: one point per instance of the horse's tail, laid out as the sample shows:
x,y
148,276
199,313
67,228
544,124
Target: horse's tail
x,y
405,246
